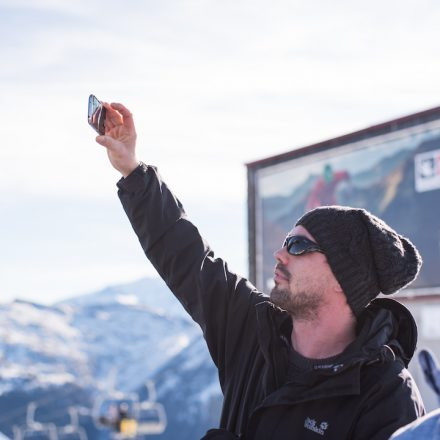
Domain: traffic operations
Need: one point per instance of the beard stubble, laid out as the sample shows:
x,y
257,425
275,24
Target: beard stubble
x,y
301,304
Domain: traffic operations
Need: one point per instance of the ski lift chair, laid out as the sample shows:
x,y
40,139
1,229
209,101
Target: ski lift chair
x,y
151,418
118,413
47,432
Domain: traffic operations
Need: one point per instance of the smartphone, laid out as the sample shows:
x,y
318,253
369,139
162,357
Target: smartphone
x,y
96,114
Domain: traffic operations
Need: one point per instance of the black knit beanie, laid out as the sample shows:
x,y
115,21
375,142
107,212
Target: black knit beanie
x,y
366,256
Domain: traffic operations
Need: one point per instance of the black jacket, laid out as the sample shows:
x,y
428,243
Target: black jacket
x,y
364,394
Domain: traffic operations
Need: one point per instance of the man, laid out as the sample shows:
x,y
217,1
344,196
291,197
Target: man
x,y
322,358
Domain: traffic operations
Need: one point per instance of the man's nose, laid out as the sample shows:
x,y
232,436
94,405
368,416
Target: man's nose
x,y
281,255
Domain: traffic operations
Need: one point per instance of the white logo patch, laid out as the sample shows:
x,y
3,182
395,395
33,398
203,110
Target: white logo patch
x,y
313,426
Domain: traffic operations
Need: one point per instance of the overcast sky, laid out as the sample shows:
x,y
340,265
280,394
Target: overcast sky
x,y
212,85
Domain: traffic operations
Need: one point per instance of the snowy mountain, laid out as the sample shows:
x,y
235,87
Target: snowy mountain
x,y
89,339
38,347
128,341
116,338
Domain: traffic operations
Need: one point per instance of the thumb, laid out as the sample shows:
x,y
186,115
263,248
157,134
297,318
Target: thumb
x,y
107,142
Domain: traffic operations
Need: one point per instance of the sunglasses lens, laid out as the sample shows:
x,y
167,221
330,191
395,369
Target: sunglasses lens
x,y
300,245
295,246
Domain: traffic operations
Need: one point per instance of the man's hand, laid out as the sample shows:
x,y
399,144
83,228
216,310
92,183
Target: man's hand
x,y
119,138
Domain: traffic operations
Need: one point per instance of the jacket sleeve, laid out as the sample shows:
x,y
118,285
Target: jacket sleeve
x,y
392,403
216,298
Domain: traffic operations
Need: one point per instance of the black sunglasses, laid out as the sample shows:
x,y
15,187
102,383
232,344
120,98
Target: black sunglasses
x,y
298,245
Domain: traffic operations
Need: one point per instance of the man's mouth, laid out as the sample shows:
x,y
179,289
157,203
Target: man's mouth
x,y
281,273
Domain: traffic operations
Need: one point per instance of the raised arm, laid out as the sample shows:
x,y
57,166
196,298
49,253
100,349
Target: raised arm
x,y
220,301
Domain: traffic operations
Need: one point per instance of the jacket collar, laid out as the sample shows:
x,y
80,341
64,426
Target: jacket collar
x,y
381,335
310,386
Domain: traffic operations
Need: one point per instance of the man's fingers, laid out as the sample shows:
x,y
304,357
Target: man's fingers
x,y
126,114
102,140
113,116
121,109
107,142
108,124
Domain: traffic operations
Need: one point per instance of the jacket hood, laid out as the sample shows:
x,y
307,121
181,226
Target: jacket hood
x,y
387,324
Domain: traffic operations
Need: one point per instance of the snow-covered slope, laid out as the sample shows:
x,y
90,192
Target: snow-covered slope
x,y
122,333
38,346
116,338
129,341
